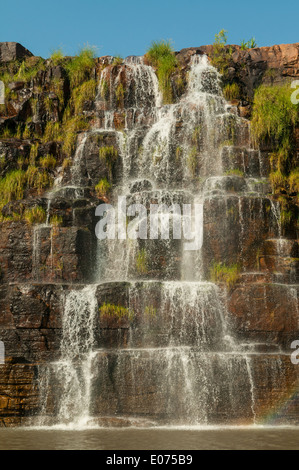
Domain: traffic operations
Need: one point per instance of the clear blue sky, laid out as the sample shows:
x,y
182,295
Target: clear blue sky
x,y
128,27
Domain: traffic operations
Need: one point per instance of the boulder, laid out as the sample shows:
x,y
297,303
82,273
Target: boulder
x,y
13,51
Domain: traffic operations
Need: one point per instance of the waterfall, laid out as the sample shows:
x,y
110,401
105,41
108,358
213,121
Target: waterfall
x,y
72,374
179,362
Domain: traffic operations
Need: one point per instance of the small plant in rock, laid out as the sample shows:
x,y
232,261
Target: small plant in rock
x,y
48,162
105,90
235,172
52,132
80,67
118,311
56,220
251,44
231,91
33,153
29,69
12,186
278,180
6,133
83,93
221,54
161,55
117,60
102,188
57,57
192,160
67,163
220,272
71,127
35,215
120,94
38,179
293,181
142,262
110,156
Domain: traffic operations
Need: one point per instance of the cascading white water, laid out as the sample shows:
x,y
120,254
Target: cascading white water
x,y
198,368
72,374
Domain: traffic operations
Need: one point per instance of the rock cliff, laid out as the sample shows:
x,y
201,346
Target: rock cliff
x,y
65,133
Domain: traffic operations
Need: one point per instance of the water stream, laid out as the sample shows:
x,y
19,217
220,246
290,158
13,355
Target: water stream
x,y
182,365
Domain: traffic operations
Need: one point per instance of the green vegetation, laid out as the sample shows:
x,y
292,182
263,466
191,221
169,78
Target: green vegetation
x,y
248,44
118,311
35,215
220,272
56,220
12,186
277,180
71,127
67,163
192,160
221,54
38,179
161,55
293,181
102,188
33,173
57,57
17,182
120,94
117,60
48,162
84,92
234,171
52,132
80,67
105,90
142,262
274,118
287,213
231,91
29,69
110,156
33,153
6,133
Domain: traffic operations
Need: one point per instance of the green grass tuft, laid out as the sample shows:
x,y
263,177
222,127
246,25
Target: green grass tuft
x,y
118,311
35,215
102,188
80,67
161,55
56,220
220,272
231,91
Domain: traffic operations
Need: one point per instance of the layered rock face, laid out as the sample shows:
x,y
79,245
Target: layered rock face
x,y
142,331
